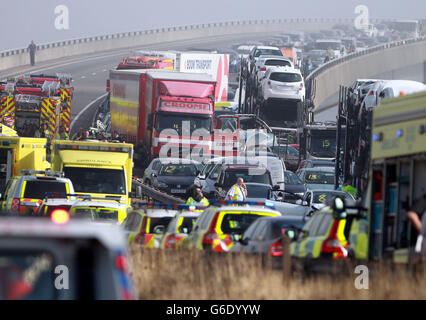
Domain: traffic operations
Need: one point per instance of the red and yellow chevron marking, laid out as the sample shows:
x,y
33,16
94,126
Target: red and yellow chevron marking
x,y
66,114
48,114
222,244
7,109
66,94
149,240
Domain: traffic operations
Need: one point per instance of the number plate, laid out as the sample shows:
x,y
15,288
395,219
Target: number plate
x,y
178,190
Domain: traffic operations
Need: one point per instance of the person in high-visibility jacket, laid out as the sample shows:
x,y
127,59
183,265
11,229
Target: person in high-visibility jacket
x,y
62,134
349,189
197,199
238,192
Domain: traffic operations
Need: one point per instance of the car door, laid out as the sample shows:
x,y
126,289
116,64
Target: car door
x,y
254,243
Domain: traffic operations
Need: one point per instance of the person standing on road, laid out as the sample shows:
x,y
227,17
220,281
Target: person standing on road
x,y
32,49
347,187
238,192
197,199
415,215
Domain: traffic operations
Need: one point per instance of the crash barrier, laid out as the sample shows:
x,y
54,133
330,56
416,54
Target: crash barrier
x,y
142,190
74,47
324,81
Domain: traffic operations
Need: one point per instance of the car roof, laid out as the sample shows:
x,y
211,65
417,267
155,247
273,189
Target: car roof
x,y
284,69
35,178
241,166
178,161
58,201
111,236
267,47
266,57
320,169
248,208
258,184
104,204
296,219
157,212
189,214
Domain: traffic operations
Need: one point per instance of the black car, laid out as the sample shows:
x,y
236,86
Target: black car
x,y
176,177
293,186
265,237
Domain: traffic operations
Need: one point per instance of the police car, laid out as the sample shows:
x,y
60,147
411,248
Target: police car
x,y
224,222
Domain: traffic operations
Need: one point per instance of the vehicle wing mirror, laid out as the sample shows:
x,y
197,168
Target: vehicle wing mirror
x,y
243,241
305,203
276,188
299,202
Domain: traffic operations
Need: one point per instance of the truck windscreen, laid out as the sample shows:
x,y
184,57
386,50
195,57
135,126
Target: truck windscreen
x,y
178,121
280,113
94,180
323,145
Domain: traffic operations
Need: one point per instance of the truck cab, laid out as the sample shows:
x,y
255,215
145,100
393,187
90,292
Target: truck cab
x,y
182,106
99,169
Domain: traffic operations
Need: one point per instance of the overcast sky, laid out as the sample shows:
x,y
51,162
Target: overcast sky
x,y
23,20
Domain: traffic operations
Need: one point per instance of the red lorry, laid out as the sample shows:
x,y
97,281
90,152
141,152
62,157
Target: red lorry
x,y
144,103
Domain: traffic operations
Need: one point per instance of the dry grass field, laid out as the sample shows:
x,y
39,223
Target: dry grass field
x,y
186,275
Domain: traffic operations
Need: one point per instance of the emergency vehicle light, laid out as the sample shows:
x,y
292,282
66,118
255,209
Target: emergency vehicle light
x,y
93,148
46,173
61,194
60,216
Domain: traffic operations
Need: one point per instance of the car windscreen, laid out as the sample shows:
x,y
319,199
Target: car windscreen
x,y
186,224
291,178
94,180
37,189
324,145
283,149
292,228
318,177
237,223
281,63
285,77
231,177
97,214
267,52
323,197
258,191
181,170
156,222
27,275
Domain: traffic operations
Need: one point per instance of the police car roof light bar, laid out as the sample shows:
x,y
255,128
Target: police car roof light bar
x,y
46,173
170,205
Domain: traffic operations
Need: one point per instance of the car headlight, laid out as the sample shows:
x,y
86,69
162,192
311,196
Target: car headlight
x,y
162,185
